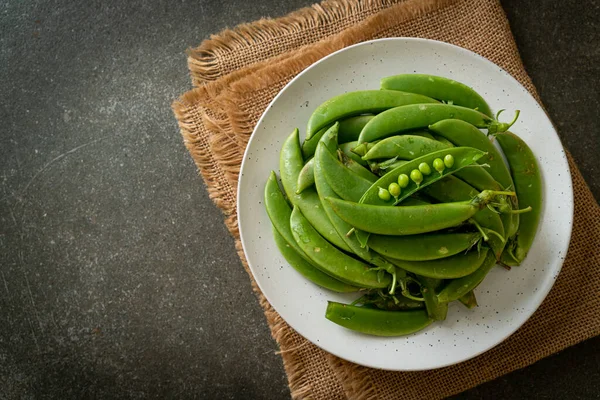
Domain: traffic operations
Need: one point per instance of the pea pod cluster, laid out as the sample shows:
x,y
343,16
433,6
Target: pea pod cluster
x,y
400,195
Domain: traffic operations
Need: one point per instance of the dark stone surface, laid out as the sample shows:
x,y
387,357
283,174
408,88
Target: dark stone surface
x,y
118,278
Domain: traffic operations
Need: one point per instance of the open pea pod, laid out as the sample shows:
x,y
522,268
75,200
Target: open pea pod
x,y
418,116
359,102
438,87
528,185
377,322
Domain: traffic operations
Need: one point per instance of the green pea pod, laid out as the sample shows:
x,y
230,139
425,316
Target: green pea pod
x,y
290,165
356,167
306,177
451,189
331,260
453,267
384,167
307,270
469,300
528,185
436,310
437,87
443,140
410,220
350,128
377,322
431,246
419,116
310,145
363,148
359,102
345,182
457,288
405,147
347,149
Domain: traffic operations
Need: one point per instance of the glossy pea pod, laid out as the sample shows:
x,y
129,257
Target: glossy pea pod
x,y
437,87
454,267
347,149
528,185
359,102
310,145
461,133
457,288
451,189
279,213
350,128
419,116
290,165
331,260
426,247
377,322
410,220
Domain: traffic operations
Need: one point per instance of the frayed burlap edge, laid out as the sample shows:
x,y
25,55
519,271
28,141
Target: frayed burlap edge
x,y
203,60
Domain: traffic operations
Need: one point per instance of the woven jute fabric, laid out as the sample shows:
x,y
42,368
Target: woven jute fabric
x,y
238,72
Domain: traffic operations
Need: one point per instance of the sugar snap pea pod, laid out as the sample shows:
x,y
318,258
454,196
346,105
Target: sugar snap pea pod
x,y
309,145
528,185
377,322
451,189
290,165
418,116
405,147
436,310
431,246
356,167
439,88
469,300
443,140
457,288
346,183
359,102
410,220
331,260
306,177
363,148
307,270
347,149
463,156
452,267
350,127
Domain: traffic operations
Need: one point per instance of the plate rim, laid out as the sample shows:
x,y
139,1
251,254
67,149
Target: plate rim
x,y
544,292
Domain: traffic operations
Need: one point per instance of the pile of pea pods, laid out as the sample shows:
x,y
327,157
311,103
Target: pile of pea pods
x,y
400,194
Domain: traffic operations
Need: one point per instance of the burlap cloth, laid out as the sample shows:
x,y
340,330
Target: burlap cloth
x,y
238,72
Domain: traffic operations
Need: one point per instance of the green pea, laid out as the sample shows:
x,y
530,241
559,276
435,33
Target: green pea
x,y
416,176
425,168
449,160
384,194
403,180
438,164
394,189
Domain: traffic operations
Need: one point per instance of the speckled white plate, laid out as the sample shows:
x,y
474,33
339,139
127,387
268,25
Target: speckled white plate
x,y
506,298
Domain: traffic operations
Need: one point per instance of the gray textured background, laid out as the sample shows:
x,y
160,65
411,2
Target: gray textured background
x,y
118,278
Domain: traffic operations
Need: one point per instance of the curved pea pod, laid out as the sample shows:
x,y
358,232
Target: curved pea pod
x,y
306,177
451,189
409,220
350,127
331,260
377,322
431,246
453,267
307,270
528,185
439,88
469,300
419,116
279,212
310,145
356,167
345,182
463,156
359,102
347,149
436,310
457,288
290,165
406,147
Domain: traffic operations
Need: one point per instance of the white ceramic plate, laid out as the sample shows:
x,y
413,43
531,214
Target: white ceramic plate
x,y
506,298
